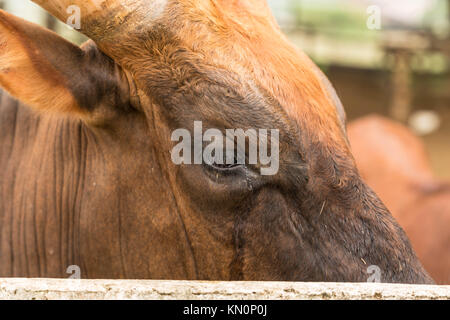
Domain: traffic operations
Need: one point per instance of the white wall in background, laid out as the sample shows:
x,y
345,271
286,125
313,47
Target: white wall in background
x,y
407,12
280,9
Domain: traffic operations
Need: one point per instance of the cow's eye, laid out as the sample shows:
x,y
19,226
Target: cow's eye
x,y
224,165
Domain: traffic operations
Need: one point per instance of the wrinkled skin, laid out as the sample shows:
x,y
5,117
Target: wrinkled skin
x,y
394,162
90,182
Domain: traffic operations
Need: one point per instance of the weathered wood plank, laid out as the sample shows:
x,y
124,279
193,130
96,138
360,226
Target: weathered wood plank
x,y
194,290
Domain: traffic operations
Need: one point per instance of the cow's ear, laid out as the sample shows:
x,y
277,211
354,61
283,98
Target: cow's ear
x,y
45,71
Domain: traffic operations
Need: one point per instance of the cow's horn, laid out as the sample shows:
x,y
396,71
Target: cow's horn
x,y
104,21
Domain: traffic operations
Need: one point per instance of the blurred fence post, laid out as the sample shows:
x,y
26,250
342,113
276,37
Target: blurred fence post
x,y
401,45
401,86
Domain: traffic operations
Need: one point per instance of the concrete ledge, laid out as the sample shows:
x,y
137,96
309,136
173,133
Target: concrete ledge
x,y
197,290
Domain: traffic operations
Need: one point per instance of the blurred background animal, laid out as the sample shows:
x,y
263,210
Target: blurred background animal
x,y
394,162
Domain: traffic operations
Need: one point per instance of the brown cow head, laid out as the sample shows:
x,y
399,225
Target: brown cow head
x,y
161,65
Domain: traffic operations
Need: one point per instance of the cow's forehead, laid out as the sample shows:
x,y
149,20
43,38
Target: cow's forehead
x,y
251,54
290,88
251,44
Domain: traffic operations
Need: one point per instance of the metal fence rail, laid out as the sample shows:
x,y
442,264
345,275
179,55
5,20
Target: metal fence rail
x,y
196,290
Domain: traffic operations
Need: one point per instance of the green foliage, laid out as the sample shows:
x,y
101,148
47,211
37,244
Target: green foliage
x,y
343,19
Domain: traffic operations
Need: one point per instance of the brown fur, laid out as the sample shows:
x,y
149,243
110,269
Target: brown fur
x,y
108,198
395,164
